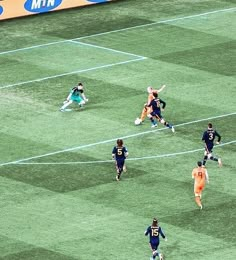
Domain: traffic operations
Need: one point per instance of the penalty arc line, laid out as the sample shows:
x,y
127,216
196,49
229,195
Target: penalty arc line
x,y
128,159
111,140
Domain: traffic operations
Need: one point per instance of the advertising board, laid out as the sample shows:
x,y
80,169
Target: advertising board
x,y
16,8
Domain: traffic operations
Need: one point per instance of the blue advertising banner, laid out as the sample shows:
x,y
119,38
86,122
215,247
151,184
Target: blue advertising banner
x,y
12,8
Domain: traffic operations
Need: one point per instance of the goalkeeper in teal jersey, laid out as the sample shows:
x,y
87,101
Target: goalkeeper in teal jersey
x,y
76,95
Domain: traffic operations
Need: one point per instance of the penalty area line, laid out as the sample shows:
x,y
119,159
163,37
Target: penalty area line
x,y
129,159
112,140
74,72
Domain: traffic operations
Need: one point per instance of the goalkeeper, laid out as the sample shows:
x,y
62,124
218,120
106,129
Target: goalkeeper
x,y
76,95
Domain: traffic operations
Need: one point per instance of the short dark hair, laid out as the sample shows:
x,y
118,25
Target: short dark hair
x,y
155,94
199,163
209,125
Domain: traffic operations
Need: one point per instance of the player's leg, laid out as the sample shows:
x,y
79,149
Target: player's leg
x,y
204,158
124,168
207,154
154,250
66,104
81,103
151,117
167,124
79,100
198,194
213,158
117,171
120,165
144,113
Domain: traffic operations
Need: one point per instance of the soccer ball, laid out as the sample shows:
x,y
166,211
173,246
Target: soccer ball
x,y
137,121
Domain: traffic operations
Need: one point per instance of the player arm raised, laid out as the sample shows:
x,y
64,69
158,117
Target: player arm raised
x,y
162,87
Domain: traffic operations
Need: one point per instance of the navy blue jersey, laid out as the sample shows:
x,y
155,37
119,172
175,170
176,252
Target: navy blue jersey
x,y
209,137
119,153
155,104
154,233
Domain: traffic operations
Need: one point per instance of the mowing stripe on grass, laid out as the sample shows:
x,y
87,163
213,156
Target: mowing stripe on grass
x,y
124,29
111,140
72,72
161,22
129,159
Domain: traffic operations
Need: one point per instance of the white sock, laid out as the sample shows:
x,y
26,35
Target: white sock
x,y
66,104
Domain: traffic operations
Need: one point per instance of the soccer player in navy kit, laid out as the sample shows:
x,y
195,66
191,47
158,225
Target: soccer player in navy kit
x,y
155,104
154,231
119,154
208,138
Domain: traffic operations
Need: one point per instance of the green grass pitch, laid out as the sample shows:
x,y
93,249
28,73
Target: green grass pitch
x,y
59,197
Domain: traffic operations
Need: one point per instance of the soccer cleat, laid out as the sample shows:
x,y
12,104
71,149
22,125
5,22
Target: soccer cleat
x,y
201,207
62,110
154,125
172,129
117,178
220,162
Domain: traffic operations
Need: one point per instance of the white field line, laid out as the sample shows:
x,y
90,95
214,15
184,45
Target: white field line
x,y
72,72
98,34
160,22
124,29
111,140
107,49
129,159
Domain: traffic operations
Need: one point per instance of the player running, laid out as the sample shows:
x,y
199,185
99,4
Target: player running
x,y
200,176
119,154
155,104
154,231
146,110
208,138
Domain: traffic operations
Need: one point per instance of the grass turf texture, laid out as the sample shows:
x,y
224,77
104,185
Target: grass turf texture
x,y
72,207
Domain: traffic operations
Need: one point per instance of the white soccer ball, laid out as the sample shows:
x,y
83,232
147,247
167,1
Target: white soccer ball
x,y
137,121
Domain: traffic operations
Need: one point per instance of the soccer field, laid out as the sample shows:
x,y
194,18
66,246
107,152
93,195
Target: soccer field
x,y
59,196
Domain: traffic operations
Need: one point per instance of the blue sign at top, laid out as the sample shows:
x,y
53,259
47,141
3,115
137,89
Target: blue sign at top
x,y
41,6
1,9
98,1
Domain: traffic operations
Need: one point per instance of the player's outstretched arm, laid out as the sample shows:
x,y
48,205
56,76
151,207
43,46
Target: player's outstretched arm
x,y
162,87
